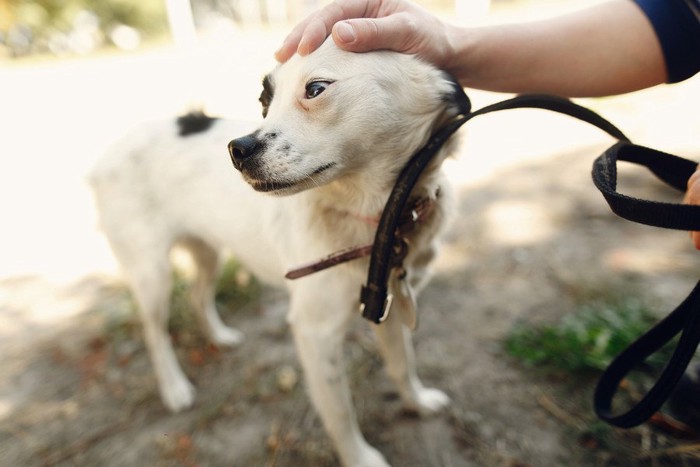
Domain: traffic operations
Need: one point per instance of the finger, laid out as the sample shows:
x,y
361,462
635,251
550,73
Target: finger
x,y
695,236
290,44
310,33
361,35
692,194
694,179
314,35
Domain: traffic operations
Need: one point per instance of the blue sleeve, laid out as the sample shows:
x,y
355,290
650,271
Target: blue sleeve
x,y
678,30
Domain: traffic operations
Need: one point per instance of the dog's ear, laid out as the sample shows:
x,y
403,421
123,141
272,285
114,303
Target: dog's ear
x,y
456,98
266,94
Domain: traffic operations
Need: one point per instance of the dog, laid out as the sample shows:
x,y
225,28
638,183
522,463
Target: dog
x,y
314,176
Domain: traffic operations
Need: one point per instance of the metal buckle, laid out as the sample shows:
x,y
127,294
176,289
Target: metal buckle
x,y
388,301
387,307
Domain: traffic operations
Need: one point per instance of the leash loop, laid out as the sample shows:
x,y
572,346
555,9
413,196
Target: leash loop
x,y
673,170
685,319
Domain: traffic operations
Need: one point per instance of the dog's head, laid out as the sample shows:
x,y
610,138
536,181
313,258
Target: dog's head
x,y
335,115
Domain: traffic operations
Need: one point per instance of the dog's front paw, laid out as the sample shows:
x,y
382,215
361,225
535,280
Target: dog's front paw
x,y
179,396
226,337
428,401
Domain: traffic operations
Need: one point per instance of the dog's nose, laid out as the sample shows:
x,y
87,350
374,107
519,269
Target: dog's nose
x,y
242,148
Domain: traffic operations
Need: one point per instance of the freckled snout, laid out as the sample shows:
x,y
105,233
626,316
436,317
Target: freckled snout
x,y
243,148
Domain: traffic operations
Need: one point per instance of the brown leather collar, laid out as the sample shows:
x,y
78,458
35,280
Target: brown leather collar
x,y
416,213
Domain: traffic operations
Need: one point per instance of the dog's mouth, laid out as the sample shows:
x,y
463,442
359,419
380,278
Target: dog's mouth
x,y
270,186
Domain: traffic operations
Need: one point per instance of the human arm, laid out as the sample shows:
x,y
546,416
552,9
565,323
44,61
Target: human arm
x,y
607,49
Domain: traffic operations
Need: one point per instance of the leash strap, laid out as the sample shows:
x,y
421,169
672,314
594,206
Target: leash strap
x,y
374,297
673,170
685,319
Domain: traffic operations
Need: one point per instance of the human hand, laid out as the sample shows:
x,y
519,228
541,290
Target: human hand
x,y
692,196
363,25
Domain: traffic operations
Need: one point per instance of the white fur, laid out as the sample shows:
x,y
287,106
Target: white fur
x,y
156,189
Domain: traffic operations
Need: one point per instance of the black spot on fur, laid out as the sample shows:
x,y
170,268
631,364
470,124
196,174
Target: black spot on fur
x,y
267,94
457,96
194,122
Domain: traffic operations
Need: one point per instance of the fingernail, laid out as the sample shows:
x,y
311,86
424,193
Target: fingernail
x,y
345,32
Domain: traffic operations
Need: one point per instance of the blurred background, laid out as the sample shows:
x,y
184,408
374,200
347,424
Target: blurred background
x,y
75,75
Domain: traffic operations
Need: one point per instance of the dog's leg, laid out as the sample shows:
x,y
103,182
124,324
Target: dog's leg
x,y
318,323
203,290
394,341
151,283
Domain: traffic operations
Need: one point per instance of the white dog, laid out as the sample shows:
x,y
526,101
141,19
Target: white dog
x,y
338,129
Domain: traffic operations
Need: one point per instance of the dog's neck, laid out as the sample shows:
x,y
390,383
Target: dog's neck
x,y
352,214
417,212
372,221
362,196
346,199
359,208
347,203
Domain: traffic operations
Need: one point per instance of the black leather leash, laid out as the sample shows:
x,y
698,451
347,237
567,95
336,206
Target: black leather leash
x,y
375,297
685,319
673,170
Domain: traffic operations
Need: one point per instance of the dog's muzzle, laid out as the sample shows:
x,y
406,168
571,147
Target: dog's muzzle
x,y
243,148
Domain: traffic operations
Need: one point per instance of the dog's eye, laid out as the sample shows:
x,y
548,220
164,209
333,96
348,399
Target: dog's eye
x,y
314,88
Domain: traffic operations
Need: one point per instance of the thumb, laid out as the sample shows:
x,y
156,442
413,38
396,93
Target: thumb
x,y
365,34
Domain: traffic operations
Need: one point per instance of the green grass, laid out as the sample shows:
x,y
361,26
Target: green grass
x,y
571,353
236,291
236,287
584,341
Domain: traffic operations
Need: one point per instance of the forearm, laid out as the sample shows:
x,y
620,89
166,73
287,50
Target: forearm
x,y
608,49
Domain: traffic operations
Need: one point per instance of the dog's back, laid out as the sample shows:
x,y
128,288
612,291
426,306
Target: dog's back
x,y
172,181
147,164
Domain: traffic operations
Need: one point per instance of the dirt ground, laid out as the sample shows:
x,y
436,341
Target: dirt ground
x,y
84,394
532,241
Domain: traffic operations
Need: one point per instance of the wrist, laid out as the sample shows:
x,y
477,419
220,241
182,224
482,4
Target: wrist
x,y
457,54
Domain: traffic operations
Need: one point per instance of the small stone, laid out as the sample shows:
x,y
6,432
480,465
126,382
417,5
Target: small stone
x,y
287,378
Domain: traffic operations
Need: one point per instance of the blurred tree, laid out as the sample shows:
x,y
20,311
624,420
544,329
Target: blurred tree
x,y
6,11
33,25
181,21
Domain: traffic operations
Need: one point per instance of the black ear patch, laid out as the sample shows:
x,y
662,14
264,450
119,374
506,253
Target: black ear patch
x,y
457,97
266,95
194,122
